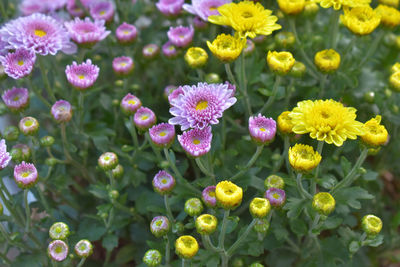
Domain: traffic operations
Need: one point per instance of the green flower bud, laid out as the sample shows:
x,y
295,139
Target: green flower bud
x,y
160,226
115,102
47,141
164,164
390,39
11,133
113,195
51,161
323,203
16,155
193,207
119,83
21,152
206,224
260,207
371,224
298,70
388,93
178,228
28,125
84,248
261,226
108,161
213,78
369,96
274,181
118,171
238,262
152,258
59,230
285,39
256,264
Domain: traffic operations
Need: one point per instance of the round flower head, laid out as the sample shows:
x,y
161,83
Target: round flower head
x,y
261,226
169,50
74,9
375,134
25,175
57,250
206,224
40,33
59,230
160,226
152,258
249,47
193,207
227,48
82,76
205,8
118,171
29,7
47,141
394,81
326,120
285,39
163,182
323,203
126,33
247,18
276,197
108,161
291,7
298,70
186,247
395,68
163,134
21,152
262,130
280,62
123,65
228,195
4,155
303,158
144,118
196,142
175,94
16,99
11,133
83,248
274,181
361,20
196,57
170,7
102,11
390,16
150,51
260,207
201,105
168,90
86,32
337,4
18,64
327,60
393,3
371,224
61,111
180,36
285,124
208,196
28,125
130,104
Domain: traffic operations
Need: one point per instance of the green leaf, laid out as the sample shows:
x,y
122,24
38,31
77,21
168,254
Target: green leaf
x,y
98,191
294,206
346,165
374,242
354,246
232,224
298,227
370,176
350,196
125,254
89,229
328,181
332,222
110,242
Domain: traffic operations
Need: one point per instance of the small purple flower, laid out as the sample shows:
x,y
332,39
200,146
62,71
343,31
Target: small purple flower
x,y
208,196
160,226
175,94
199,24
196,142
205,8
170,7
18,64
126,33
262,130
201,105
130,104
144,118
4,155
74,9
57,250
169,50
16,99
180,36
276,197
82,76
162,134
163,182
29,7
61,111
28,125
150,51
25,175
86,32
123,65
168,90
102,10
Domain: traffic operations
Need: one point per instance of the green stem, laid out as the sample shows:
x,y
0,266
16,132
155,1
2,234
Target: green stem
x,y
241,238
322,86
207,241
81,262
334,30
204,169
302,191
243,86
37,93
228,71
271,98
80,108
371,50
27,211
43,199
314,180
167,252
45,79
183,262
221,239
18,219
283,155
4,232
168,208
155,149
249,163
133,133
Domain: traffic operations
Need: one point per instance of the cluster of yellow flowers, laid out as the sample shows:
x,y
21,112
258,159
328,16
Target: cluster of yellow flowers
x,y
394,79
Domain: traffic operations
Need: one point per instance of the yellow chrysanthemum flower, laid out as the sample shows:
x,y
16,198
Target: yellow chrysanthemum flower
x,y
390,15
228,195
361,20
326,120
375,134
206,224
259,207
186,246
303,158
196,57
371,224
327,60
310,8
291,7
247,18
280,62
337,4
323,203
395,68
285,124
394,81
226,47
393,3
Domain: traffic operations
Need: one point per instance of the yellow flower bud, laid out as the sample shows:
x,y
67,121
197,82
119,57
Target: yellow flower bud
x,y
291,7
228,195
226,47
393,3
323,203
196,57
361,20
285,124
298,70
375,134
186,246
206,224
280,62
390,15
371,224
327,60
260,207
303,158
274,181
310,8
395,68
394,81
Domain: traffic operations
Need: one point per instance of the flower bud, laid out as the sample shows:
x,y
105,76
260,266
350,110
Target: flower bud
x,y
298,70
310,9
238,262
113,194
163,182
375,134
144,118
130,104
369,97
178,228
276,197
291,7
196,57
160,226
118,171
371,224
28,125
327,60
126,33
228,195
274,181
21,152
280,62
303,158
260,207
323,203
285,39
186,246
394,81
206,224
150,51
47,141
51,161
262,130
123,66
162,135
59,230
208,196
152,258
16,99
213,78
284,122
11,133
57,250
84,248
193,207
256,264
61,111
25,175
108,161
261,226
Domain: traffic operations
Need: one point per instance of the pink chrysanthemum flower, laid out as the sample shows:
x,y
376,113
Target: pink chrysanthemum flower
x,y
262,130
40,33
57,250
200,105
82,76
126,33
18,64
180,36
16,99
170,7
150,51
61,111
25,175
144,118
168,90
130,104
169,50
102,10
86,32
208,196
205,8
123,65
29,7
199,24
4,155
196,142
162,134
163,182
175,94
75,10
276,197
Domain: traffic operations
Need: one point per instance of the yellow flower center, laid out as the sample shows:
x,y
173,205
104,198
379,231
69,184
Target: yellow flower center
x,y
212,8
123,64
20,62
202,105
196,141
28,123
81,76
276,196
132,102
374,222
126,32
16,98
102,12
162,133
247,14
187,242
211,194
164,181
262,129
58,249
144,117
40,33
106,158
25,174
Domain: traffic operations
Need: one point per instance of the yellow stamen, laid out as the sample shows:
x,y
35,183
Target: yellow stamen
x,y
131,102
40,33
162,134
202,105
20,62
196,141
81,76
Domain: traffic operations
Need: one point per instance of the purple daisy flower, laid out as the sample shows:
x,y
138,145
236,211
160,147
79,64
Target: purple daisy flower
x,y
199,24
208,196
162,134
40,33
57,250
28,125
61,111
150,51
163,182
74,9
169,50
180,36
29,7
201,105
123,65
102,10
262,130
18,64
205,8
168,90
4,155
82,76
144,118
170,7
86,32
196,142
175,94
159,226
16,99
276,197
126,33
130,104
25,175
